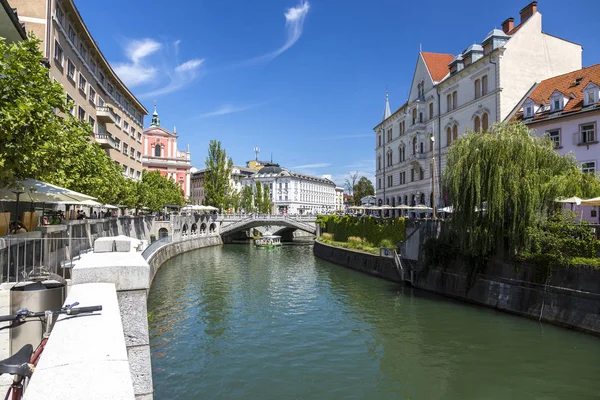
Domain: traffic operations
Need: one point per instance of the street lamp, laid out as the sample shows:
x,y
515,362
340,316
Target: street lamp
x,y
433,202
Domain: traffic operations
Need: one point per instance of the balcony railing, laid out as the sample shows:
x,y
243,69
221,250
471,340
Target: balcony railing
x,y
106,114
106,141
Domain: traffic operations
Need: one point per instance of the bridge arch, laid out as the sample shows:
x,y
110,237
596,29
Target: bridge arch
x,y
203,228
212,228
194,229
163,233
306,225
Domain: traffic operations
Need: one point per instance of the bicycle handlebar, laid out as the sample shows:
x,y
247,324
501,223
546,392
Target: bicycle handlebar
x,y
23,314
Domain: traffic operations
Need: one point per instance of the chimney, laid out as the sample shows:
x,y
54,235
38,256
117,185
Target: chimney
x,y
528,11
508,25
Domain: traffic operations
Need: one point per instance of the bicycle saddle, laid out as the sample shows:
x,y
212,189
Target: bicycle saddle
x,y
18,363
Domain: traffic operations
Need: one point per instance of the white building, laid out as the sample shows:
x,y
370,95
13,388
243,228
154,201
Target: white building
x,y
237,176
452,94
339,198
295,193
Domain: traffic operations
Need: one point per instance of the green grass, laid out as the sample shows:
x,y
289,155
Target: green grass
x,y
351,245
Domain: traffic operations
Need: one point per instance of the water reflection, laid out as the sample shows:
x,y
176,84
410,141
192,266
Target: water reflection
x,y
241,322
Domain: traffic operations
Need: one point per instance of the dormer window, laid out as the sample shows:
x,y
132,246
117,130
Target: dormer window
x,y
590,94
557,101
556,104
529,111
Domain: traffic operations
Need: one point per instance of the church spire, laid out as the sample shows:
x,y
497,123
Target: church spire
x,y
386,110
155,119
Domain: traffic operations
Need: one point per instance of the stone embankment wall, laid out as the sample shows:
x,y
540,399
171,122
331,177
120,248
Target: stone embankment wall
x,y
571,298
381,267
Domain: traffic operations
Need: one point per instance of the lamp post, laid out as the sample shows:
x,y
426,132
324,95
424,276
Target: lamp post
x,y
433,202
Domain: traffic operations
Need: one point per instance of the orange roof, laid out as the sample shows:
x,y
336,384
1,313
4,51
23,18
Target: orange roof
x,y
570,84
437,64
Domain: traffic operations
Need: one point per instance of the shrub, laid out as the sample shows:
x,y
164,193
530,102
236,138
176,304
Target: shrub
x,y
371,229
327,237
355,242
387,243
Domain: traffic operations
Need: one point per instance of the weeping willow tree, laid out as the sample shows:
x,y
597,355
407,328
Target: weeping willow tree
x,y
502,182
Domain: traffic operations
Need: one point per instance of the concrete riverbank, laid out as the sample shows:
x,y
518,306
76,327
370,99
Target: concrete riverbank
x,y
571,298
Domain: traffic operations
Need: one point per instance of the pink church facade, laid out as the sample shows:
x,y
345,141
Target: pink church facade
x,y
160,153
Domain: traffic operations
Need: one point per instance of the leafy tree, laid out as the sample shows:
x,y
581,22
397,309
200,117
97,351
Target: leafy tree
x,y
513,175
266,203
28,122
258,197
155,191
363,188
351,182
217,175
234,200
247,203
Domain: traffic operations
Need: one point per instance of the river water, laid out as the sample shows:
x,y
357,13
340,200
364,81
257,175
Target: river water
x,y
237,322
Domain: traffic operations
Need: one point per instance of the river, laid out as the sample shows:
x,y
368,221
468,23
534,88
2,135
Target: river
x,y
237,322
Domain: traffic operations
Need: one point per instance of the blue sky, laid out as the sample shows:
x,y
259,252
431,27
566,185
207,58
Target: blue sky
x,y
304,81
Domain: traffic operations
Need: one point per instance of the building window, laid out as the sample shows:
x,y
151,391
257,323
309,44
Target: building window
x,y
379,183
389,133
93,66
82,51
92,122
82,82
379,141
454,132
125,126
81,114
477,124
412,174
72,35
390,180
101,78
555,137
414,146
484,122
484,85
402,128
587,133
477,88
414,116
556,104
157,151
70,104
589,168
139,137
454,99
421,173
92,96
71,70
449,102
60,16
529,111
58,54
430,110
448,136
125,148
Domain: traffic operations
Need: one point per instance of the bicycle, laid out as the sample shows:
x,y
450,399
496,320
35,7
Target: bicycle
x,y
22,364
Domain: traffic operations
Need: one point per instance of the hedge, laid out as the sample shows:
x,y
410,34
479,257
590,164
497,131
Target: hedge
x,y
374,230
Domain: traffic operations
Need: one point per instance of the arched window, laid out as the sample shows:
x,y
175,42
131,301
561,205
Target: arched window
x,y
477,88
455,132
477,124
405,199
484,85
414,116
157,150
484,122
422,198
414,145
448,136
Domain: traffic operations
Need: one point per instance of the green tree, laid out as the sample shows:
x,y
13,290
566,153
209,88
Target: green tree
x,y
217,175
266,203
363,188
258,196
515,177
247,203
155,190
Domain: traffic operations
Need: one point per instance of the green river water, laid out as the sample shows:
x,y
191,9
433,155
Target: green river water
x,y
238,322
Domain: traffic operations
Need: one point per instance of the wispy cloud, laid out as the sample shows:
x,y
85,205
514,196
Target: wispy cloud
x,y
294,22
136,71
229,109
310,166
151,62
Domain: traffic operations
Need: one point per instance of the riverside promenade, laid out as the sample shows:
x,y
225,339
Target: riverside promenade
x,y
105,355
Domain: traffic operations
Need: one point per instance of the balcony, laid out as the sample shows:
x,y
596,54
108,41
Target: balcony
x,y
417,156
106,141
417,127
106,114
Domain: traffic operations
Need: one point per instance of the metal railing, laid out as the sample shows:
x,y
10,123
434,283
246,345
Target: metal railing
x,y
155,246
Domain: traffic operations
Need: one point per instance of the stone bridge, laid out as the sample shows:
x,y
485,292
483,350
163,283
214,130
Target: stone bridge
x,y
230,224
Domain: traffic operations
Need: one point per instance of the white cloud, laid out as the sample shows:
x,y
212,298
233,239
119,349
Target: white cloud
x,y
309,166
228,109
294,22
189,65
137,72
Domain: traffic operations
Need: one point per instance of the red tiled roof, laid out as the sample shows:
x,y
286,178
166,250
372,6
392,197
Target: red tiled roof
x,y
566,84
437,64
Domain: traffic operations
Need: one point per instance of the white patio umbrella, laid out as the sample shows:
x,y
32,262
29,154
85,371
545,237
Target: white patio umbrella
x,y
421,207
449,209
571,200
109,206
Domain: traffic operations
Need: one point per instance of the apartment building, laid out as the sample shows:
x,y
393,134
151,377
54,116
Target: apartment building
x,y
96,92
566,108
10,27
452,94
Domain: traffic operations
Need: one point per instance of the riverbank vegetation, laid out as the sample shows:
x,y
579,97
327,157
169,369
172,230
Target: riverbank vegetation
x,y
41,139
503,185
379,232
353,243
